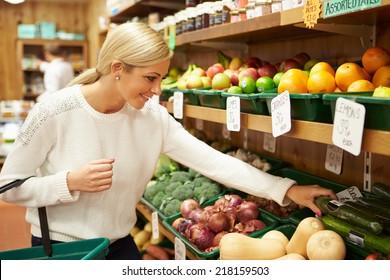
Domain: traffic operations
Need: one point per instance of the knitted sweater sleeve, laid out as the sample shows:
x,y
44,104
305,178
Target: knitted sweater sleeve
x,y
182,147
30,150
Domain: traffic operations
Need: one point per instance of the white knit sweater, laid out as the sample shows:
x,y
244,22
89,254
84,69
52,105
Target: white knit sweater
x,y
64,132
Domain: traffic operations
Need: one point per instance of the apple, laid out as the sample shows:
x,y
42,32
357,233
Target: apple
x,y
194,81
220,81
249,72
302,58
268,70
233,75
198,71
309,64
206,81
253,62
382,91
214,69
182,84
288,64
236,63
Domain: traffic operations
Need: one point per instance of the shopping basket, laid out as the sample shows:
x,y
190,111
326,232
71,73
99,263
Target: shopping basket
x,y
90,249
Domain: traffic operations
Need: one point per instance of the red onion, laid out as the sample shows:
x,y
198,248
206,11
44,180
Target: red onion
x,y
187,206
176,223
195,215
220,202
206,214
201,236
219,222
254,225
218,237
233,199
183,227
247,211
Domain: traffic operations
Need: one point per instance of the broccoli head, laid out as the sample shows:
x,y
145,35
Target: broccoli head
x,y
183,192
158,199
172,207
206,191
180,176
198,181
150,192
171,187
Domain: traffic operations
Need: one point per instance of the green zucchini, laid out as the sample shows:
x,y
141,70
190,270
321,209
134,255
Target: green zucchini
x,y
347,213
381,190
375,204
357,235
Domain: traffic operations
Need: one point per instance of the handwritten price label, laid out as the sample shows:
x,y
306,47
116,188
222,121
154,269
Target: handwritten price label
x,y
348,125
311,12
180,249
178,104
233,120
281,114
334,159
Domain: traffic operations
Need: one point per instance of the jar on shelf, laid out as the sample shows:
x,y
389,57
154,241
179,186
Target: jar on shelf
x,y
190,19
218,7
191,3
199,17
207,14
250,9
227,6
263,7
242,14
234,16
242,4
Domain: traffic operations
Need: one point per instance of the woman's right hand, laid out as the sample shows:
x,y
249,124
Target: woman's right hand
x,y
96,176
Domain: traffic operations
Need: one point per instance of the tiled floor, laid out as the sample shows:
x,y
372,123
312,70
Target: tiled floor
x,y
14,230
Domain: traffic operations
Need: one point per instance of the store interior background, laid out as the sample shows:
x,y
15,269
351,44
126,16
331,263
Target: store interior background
x,y
82,16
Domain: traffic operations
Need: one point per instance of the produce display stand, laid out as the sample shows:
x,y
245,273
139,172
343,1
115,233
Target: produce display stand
x,y
90,249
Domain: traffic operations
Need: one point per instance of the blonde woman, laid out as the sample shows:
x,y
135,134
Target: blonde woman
x,y
95,145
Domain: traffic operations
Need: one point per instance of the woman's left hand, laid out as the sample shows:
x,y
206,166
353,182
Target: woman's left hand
x,y
305,195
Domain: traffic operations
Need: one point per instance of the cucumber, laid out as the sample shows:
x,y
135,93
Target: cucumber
x,y
375,204
350,214
381,190
357,235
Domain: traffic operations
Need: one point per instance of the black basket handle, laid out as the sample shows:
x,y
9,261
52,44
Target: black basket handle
x,y
42,216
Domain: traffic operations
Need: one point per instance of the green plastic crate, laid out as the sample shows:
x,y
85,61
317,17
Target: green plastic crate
x,y
270,222
211,98
377,109
250,103
189,97
354,252
90,249
166,93
304,106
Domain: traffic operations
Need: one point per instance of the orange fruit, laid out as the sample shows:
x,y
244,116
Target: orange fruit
x,y
321,81
382,77
375,57
347,73
322,66
297,73
361,86
294,84
337,89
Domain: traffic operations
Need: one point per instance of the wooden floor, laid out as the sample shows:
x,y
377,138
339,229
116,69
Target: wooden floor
x,y
14,230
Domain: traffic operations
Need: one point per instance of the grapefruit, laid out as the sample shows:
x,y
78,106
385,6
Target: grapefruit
x,y
382,77
321,81
347,73
374,58
293,84
361,86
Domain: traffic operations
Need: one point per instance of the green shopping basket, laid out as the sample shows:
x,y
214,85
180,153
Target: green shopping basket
x,y
90,249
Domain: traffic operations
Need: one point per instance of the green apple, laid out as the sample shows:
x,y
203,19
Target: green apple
x,y
309,64
382,91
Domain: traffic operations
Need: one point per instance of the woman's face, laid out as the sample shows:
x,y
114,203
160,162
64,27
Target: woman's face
x,y
141,83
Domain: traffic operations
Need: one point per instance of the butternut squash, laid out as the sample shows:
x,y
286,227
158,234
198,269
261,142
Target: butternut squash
x,y
326,245
237,246
276,234
292,256
298,241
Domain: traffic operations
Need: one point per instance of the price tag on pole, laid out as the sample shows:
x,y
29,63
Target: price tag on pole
x,y
269,143
233,117
155,231
348,125
334,159
180,249
178,104
281,114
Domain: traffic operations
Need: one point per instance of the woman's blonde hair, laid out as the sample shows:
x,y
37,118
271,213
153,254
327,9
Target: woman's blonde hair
x,y
135,44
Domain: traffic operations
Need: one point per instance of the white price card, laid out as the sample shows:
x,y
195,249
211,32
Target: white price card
x,y
233,120
348,125
334,159
178,104
281,114
155,231
269,143
350,194
180,249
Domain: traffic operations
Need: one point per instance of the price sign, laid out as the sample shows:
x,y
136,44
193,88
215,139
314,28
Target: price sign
x,y
233,120
334,159
311,12
281,114
352,194
155,231
269,143
178,104
348,125
180,249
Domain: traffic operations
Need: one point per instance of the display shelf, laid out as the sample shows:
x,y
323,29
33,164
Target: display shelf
x,y
375,141
283,25
146,212
141,8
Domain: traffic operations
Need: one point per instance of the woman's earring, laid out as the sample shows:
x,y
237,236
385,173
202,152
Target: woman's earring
x,y
117,78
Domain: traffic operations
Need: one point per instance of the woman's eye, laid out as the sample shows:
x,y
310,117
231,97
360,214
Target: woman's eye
x,y
151,78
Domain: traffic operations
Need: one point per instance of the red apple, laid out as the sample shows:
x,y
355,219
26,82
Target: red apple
x,y
214,69
268,70
233,75
249,72
198,71
288,64
302,58
253,62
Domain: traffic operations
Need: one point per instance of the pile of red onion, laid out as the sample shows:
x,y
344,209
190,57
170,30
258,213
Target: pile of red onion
x,y
204,227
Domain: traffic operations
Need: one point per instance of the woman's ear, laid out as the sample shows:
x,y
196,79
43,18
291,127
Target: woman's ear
x,y
116,67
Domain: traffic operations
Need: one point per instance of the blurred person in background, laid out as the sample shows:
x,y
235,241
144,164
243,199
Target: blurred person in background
x,y
58,72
